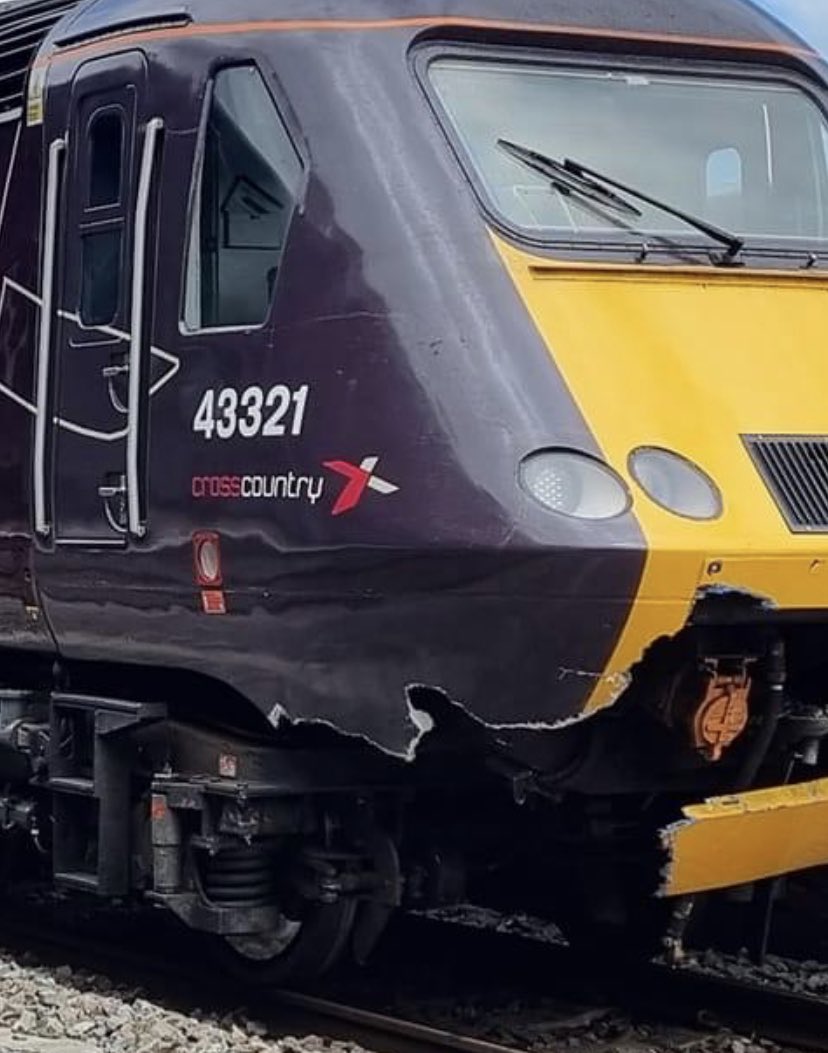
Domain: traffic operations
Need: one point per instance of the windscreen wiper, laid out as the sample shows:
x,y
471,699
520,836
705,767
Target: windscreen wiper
x,y
587,181
566,181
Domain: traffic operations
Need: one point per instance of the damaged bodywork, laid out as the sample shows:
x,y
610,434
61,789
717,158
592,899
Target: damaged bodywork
x,y
740,838
328,581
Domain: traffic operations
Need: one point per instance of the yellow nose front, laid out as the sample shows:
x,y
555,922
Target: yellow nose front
x,y
693,360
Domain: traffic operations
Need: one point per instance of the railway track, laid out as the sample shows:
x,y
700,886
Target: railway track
x,y
651,993
787,1018
591,1004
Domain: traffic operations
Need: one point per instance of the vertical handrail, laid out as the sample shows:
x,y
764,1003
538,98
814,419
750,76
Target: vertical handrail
x,y
136,339
44,350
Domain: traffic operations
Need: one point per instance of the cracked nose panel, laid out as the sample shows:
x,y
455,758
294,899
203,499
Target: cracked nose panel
x,y
691,360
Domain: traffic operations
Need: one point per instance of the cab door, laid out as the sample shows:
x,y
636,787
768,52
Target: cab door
x,y
103,145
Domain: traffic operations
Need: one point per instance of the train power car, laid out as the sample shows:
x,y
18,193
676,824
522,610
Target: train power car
x,y
413,460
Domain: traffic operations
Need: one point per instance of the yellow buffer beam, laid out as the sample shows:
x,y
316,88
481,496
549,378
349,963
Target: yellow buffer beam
x,y
745,837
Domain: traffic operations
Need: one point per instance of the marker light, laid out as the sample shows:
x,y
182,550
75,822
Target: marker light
x,y
675,483
207,558
573,484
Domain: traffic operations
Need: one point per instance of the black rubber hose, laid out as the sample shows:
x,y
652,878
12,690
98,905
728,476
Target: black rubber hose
x,y
775,687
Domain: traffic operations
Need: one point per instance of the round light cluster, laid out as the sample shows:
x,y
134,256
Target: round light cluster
x,y
576,484
573,484
675,483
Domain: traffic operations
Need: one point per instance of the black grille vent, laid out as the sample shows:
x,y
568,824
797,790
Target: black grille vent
x,y
23,26
795,467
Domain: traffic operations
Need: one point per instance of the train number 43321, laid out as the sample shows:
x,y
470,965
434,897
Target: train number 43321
x,y
272,412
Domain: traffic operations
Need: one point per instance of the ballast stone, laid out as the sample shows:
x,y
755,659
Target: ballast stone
x,y
60,1010
13,1043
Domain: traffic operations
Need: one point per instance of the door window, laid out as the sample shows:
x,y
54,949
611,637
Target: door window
x,y
105,138
101,212
100,283
246,189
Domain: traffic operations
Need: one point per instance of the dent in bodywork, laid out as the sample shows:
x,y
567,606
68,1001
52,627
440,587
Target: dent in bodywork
x,y
736,839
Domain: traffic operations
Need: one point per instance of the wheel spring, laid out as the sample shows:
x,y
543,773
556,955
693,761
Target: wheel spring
x,y
243,876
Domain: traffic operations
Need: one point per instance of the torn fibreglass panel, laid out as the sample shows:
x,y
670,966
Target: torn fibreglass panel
x,y
744,837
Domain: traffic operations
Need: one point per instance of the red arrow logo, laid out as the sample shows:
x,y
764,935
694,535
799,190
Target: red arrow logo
x,y
360,477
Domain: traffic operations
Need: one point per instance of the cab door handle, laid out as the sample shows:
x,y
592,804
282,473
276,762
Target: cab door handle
x,y
113,493
109,490
113,371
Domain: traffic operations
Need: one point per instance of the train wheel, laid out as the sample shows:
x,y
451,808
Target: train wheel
x,y
299,949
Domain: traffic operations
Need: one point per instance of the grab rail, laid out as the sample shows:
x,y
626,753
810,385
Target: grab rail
x,y
44,351
136,340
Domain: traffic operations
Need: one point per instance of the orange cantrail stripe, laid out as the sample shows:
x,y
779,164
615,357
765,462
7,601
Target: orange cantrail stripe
x,y
139,36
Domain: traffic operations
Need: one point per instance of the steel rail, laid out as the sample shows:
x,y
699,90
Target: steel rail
x,y
381,1024
704,1002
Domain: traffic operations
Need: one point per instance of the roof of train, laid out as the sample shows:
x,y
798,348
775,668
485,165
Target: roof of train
x,y
730,20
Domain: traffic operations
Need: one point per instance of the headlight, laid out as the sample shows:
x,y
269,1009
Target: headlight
x,y
675,483
574,484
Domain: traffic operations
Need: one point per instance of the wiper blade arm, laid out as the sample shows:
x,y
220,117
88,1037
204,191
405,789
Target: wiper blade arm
x,y
571,177
732,242
567,181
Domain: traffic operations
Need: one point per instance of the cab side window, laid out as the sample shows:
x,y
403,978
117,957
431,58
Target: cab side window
x,y
246,189
102,220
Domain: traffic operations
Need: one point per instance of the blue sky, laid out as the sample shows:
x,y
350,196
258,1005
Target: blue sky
x,y
808,17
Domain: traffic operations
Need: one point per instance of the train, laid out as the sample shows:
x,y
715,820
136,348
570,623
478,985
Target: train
x,y
414,463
